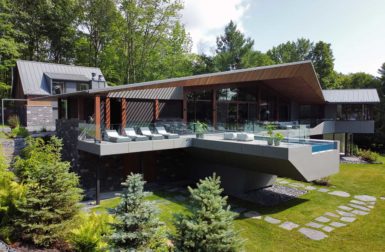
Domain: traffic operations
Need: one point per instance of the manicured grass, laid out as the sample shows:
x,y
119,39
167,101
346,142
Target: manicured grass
x,y
367,233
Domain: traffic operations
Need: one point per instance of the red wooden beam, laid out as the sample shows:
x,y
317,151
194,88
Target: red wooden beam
x,y
98,135
124,113
184,106
214,104
156,109
108,113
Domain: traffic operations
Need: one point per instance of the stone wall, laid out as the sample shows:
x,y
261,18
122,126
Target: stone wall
x,y
39,117
157,166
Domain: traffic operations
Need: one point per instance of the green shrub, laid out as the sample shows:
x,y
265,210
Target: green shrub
x,y
368,155
90,234
10,193
13,121
19,132
210,226
136,224
51,196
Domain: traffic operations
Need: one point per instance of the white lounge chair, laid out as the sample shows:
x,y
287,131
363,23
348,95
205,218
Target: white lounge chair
x,y
162,131
146,132
130,132
113,136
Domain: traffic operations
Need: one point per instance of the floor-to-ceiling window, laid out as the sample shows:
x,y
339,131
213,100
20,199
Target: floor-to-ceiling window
x,y
199,106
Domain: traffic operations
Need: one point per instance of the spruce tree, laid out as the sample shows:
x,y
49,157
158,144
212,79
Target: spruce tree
x,y
51,197
210,225
136,224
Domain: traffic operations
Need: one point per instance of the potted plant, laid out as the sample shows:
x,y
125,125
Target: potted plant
x,y
278,137
270,127
200,128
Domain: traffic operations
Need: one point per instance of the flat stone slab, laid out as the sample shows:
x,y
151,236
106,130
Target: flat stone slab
x,y
346,208
348,219
323,190
239,210
359,212
272,220
365,198
297,185
345,214
288,225
322,219
382,198
313,234
359,207
180,198
327,229
358,202
253,215
310,188
337,224
340,194
314,225
332,215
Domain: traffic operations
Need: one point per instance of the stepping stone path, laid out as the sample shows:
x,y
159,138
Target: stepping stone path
x,y
313,234
345,214
359,212
322,219
253,215
310,188
358,202
288,225
382,198
272,220
345,208
348,219
332,215
296,185
324,190
337,224
359,207
327,229
340,194
365,198
314,225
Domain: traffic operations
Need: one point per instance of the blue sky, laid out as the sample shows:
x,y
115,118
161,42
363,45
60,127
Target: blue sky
x,y
356,29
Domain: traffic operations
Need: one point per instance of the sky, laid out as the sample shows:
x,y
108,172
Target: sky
x,y
354,28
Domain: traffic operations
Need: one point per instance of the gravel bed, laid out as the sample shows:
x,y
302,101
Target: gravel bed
x,y
272,196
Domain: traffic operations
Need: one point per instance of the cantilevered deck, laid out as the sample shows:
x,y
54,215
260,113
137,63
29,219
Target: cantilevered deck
x,y
304,160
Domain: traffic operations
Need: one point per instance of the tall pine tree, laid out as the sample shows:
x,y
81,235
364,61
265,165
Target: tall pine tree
x,y
210,226
51,197
136,224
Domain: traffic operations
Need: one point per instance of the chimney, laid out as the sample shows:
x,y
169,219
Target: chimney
x,y
101,78
93,76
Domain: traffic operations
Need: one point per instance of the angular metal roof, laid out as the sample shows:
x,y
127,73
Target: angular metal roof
x,y
32,75
67,77
351,96
172,93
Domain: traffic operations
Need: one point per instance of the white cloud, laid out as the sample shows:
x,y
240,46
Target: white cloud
x,y
206,19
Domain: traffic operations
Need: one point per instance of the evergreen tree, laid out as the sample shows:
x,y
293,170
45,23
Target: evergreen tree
x,y
51,197
210,226
136,224
232,49
323,60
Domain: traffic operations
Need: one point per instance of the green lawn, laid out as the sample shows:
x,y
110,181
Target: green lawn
x,y
367,233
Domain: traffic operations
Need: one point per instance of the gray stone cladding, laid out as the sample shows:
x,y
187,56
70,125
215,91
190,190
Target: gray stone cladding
x,y
39,117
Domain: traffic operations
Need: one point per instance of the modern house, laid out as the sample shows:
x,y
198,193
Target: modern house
x,y
287,95
37,79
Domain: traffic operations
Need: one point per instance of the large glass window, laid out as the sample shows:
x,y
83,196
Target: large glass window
x,y
199,106
82,86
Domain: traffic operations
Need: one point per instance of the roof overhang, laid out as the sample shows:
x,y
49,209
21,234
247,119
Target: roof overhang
x,y
296,80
